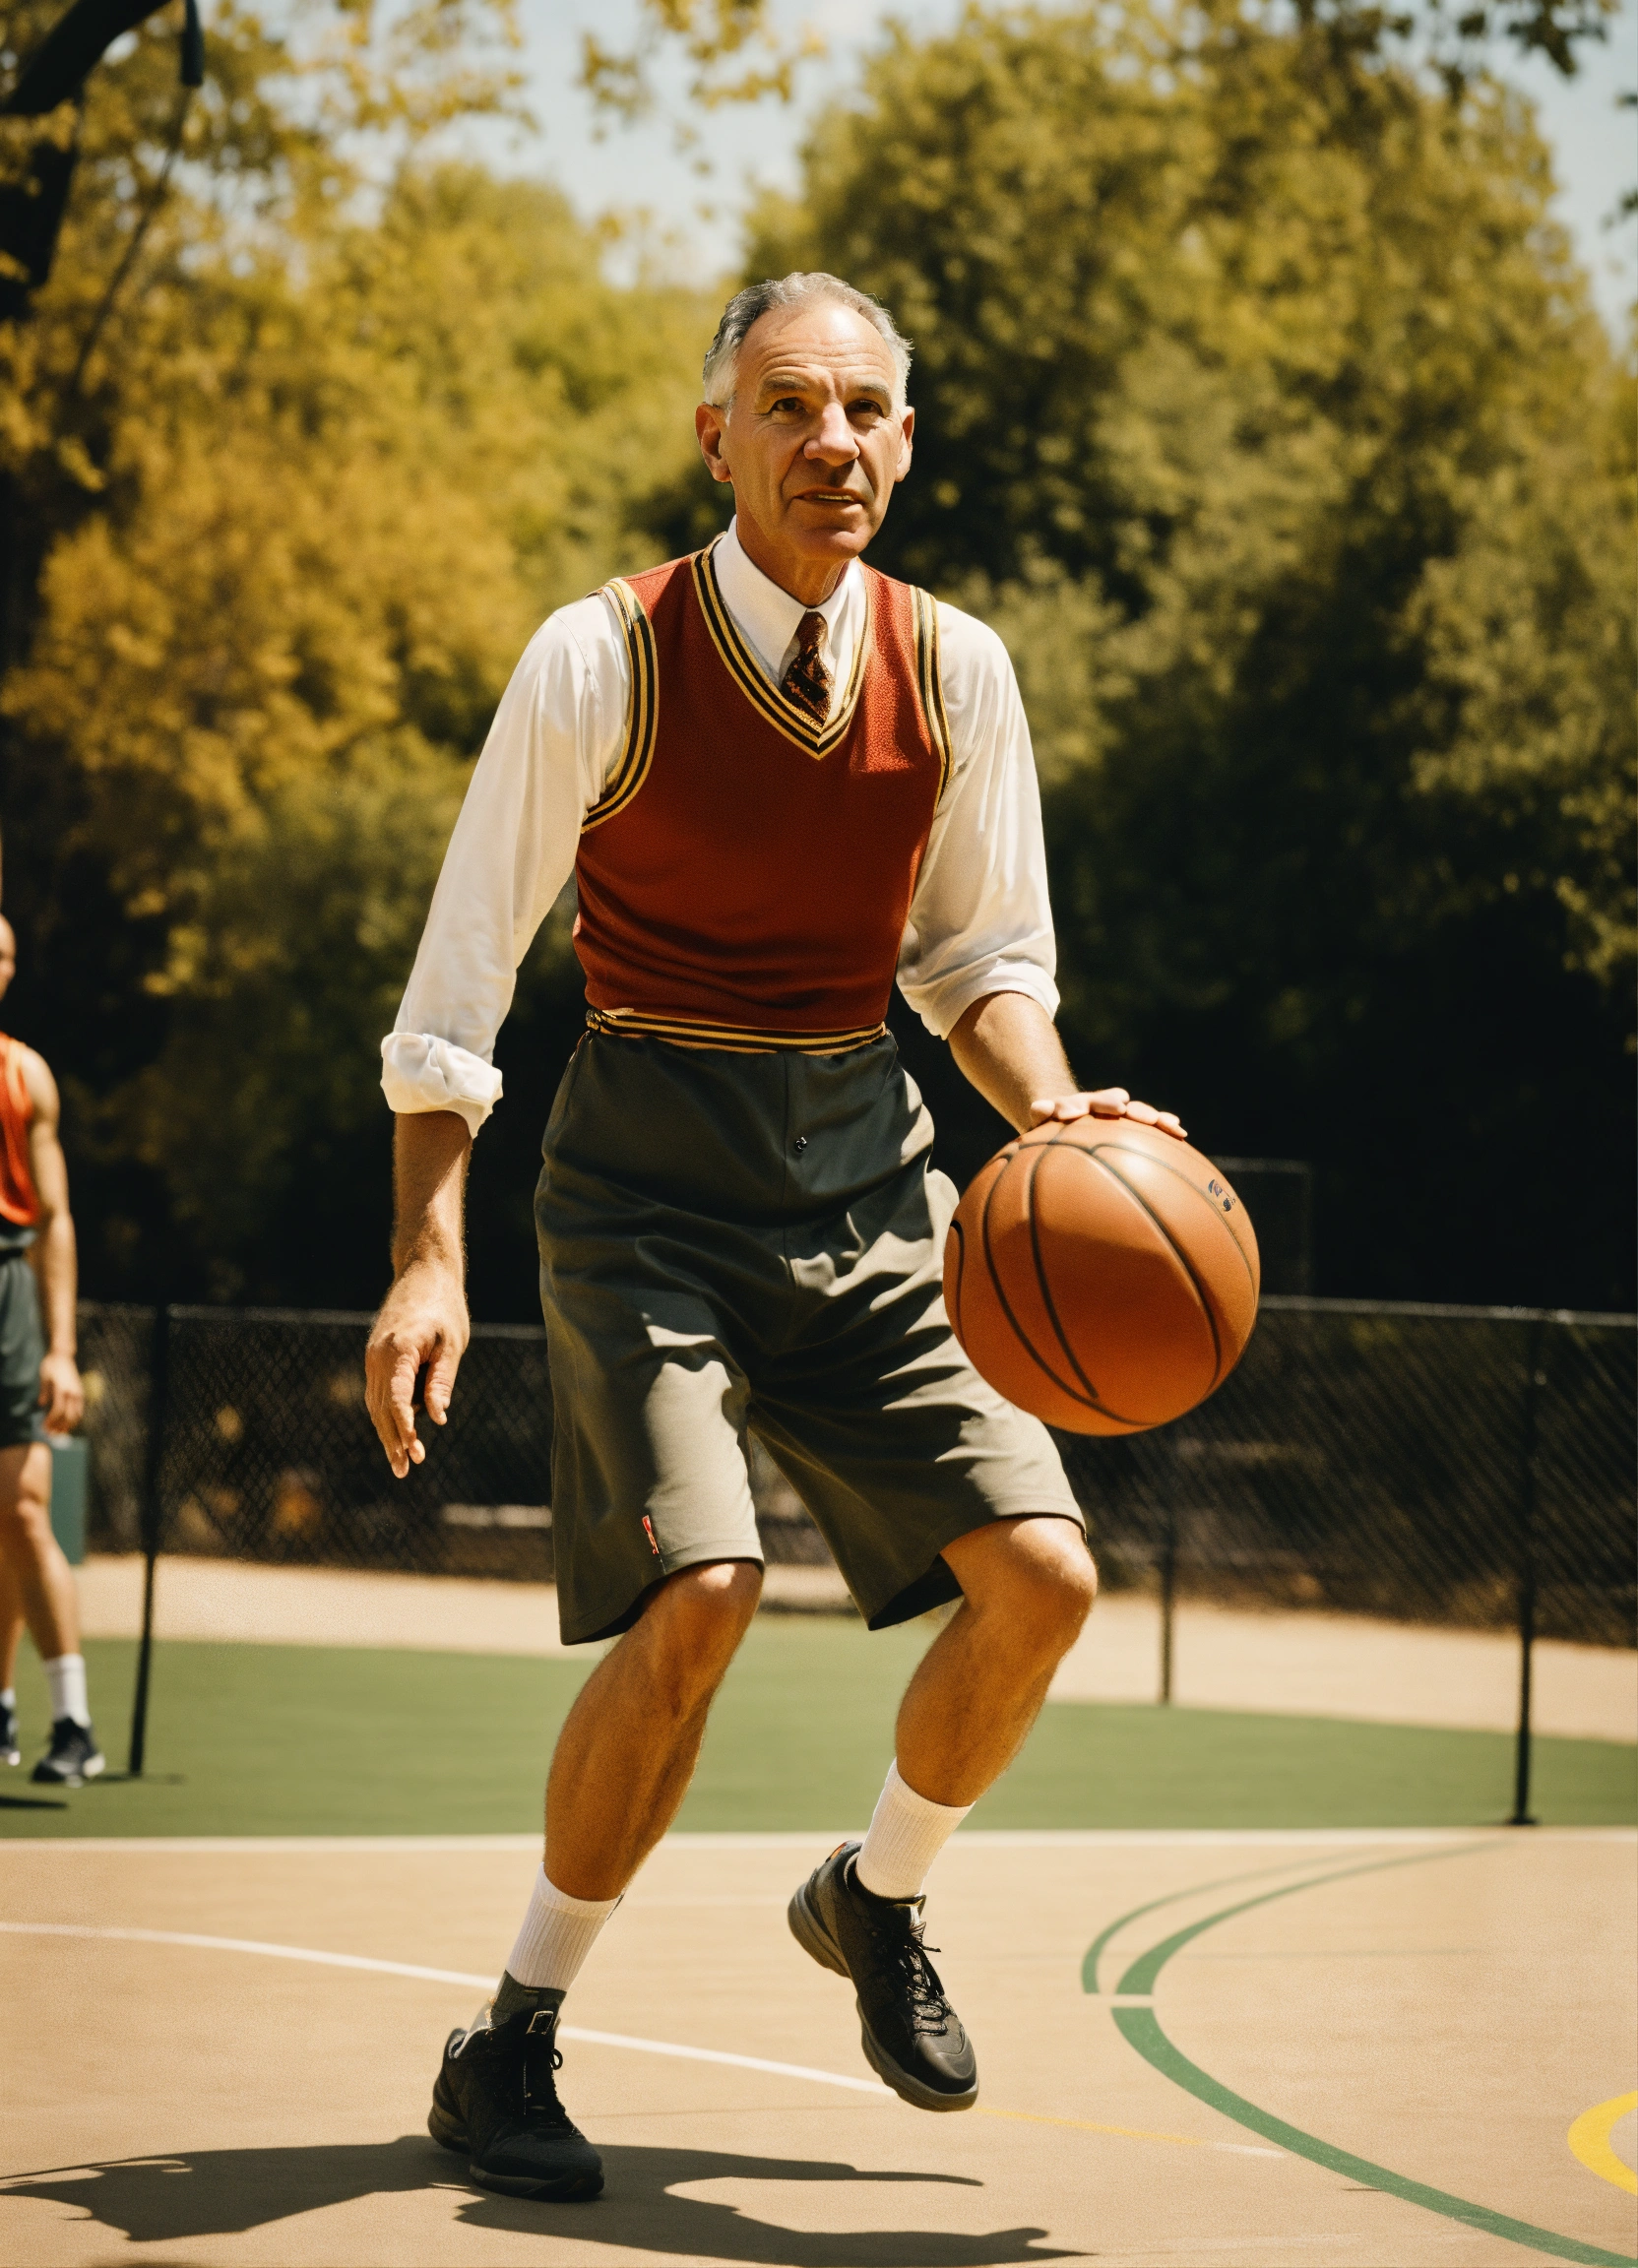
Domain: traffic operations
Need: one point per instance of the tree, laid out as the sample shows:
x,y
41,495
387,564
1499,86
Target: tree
x,y
1262,408
325,479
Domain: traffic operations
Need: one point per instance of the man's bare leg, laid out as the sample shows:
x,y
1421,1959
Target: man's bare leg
x,y
1027,1586
35,1564
627,1751
11,1623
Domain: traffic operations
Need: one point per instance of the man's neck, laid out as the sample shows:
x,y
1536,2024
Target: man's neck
x,y
809,580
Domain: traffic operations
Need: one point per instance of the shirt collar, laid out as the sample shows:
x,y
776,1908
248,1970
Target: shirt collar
x,y
767,616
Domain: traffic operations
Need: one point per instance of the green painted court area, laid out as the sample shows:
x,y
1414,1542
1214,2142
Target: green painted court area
x,y
318,1741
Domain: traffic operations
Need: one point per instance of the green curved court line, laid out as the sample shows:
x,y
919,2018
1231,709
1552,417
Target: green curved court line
x,y
1145,2035
1141,1975
1141,2029
1095,1951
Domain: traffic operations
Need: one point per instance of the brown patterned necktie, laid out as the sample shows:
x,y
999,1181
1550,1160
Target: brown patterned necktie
x,y
807,681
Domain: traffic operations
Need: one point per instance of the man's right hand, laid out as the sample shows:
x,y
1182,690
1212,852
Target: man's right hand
x,y
422,1324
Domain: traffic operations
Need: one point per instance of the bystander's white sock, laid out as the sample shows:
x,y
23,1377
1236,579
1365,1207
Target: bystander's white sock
x,y
66,1677
906,1834
7,1699
558,1933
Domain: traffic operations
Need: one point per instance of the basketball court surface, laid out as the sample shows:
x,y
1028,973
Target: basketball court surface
x,y
1368,2051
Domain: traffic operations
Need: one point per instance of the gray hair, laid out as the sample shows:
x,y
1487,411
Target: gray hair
x,y
722,360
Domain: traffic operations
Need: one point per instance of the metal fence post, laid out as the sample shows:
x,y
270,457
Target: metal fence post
x,y
1533,1384
1168,1588
151,1526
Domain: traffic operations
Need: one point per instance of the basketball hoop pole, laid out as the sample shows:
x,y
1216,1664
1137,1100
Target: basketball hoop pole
x,y
1533,1381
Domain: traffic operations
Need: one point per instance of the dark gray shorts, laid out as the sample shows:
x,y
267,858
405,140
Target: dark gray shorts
x,y
22,1351
735,1244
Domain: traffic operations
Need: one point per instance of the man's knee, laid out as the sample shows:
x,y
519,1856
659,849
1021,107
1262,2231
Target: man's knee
x,y
26,1504
693,1622
1041,1576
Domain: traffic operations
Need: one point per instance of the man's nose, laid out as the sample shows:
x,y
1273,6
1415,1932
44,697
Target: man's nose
x,y
833,443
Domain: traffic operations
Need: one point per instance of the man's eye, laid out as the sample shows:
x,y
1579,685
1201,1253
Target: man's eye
x,y
863,410
784,404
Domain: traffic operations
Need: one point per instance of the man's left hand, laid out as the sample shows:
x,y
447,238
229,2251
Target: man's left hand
x,y
1108,1102
61,1394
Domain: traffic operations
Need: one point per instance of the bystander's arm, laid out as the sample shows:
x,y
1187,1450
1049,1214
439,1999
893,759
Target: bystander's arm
x,y
54,1256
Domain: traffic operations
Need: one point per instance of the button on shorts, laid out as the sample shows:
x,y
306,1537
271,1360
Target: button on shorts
x,y
753,1244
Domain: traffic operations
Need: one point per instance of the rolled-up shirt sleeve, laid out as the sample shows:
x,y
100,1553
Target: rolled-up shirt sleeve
x,y
550,749
980,920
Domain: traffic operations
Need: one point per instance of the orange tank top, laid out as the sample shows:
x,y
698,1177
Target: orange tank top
x,y
746,876
18,1198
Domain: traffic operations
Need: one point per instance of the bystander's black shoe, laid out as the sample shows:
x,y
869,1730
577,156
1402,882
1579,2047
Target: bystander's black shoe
x,y
495,2102
10,1752
72,1757
913,2036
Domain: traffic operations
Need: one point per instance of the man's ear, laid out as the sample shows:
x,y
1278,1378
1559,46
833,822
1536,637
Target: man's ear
x,y
906,436
711,425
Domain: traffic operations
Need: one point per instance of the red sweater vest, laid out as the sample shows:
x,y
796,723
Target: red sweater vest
x,y
18,1198
746,876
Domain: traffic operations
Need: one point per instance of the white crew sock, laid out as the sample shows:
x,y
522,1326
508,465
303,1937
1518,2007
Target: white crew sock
x,y
558,1933
7,1699
66,1677
906,1834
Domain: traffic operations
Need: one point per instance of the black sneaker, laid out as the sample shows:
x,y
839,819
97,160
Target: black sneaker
x,y
10,1752
72,1757
913,2036
495,2100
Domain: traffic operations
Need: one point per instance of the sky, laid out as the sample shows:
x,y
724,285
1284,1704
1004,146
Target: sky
x,y
638,172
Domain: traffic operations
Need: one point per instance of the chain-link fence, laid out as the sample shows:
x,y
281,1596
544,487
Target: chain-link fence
x,y
1450,1465
1432,1464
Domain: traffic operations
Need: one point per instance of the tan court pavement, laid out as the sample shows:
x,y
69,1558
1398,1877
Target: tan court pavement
x,y
1445,2014
1301,1664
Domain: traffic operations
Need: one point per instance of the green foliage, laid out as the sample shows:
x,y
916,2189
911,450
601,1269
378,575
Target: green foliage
x,y
1262,409
335,457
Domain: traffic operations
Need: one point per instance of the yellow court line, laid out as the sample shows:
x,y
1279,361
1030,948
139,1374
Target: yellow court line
x,y
1132,2133
1589,2138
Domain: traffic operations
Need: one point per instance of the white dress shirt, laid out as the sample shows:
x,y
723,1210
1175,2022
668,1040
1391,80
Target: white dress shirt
x,y
979,920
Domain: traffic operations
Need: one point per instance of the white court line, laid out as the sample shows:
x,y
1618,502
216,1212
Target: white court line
x,y
430,1977
978,1839
188,1937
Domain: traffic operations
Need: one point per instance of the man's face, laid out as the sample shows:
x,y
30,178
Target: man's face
x,y
810,441
8,958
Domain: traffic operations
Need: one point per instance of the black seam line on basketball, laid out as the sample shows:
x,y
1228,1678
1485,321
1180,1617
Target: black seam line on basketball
x,y
958,1234
1138,1198
1114,1144
1006,1304
1045,1289
1141,2030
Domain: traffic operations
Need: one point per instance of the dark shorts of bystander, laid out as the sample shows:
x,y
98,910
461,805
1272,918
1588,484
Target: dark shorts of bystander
x,y
22,1350
753,1244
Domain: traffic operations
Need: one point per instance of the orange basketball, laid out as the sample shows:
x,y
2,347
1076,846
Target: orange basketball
x,y
1102,1275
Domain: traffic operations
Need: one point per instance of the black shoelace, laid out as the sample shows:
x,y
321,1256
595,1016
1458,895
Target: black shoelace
x,y
541,2065
928,2009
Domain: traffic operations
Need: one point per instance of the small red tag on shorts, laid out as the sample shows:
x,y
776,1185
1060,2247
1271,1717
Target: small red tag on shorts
x,y
648,1530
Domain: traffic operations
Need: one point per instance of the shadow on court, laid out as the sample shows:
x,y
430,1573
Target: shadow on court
x,y
225,2192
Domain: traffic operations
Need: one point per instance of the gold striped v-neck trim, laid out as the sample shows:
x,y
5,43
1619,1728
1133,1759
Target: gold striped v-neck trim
x,y
772,702
641,708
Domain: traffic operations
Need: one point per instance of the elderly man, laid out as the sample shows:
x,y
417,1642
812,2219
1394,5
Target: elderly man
x,y
780,781
39,1393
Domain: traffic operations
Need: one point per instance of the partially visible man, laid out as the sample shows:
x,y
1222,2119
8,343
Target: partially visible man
x,y
39,1393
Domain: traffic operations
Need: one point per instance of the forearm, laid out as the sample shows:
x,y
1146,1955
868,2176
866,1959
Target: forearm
x,y
430,1152
56,1259
1008,1047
